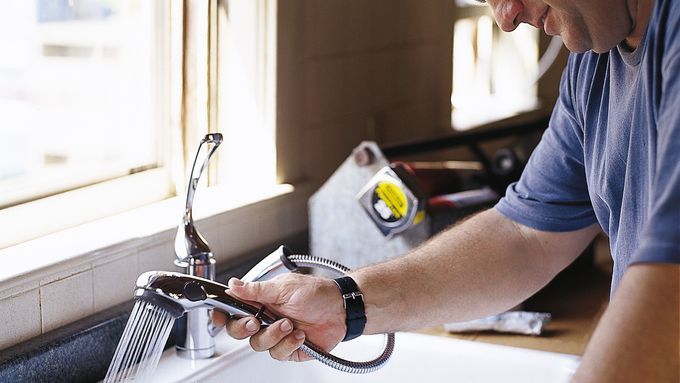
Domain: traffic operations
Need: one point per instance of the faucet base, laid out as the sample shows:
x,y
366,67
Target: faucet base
x,y
195,337
202,353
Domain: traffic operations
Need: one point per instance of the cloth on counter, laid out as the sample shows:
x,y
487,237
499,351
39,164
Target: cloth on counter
x,y
515,322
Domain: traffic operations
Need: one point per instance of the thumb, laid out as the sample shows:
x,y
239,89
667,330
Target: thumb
x,y
262,292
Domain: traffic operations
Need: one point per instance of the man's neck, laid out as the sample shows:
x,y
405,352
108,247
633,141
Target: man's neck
x,y
640,11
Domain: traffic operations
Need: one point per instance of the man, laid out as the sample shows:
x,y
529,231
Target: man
x,y
609,160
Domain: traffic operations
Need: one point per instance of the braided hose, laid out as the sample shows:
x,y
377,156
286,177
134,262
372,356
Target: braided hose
x,y
346,365
304,260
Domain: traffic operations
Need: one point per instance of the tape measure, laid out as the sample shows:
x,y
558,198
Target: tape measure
x,y
393,200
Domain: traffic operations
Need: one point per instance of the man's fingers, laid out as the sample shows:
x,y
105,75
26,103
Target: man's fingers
x,y
219,318
282,341
272,335
242,328
289,348
254,291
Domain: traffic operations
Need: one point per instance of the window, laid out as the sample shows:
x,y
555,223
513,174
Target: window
x,y
246,93
103,103
77,96
229,76
82,101
494,73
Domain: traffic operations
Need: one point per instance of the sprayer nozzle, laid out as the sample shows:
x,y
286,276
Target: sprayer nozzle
x,y
173,308
179,293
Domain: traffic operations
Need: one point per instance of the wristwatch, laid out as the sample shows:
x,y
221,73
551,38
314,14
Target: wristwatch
x,y
353,301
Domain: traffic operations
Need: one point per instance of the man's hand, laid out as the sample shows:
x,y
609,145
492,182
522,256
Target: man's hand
x,y
311,307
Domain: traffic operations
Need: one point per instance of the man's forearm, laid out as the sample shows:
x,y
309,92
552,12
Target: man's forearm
x,y
483,266
638,336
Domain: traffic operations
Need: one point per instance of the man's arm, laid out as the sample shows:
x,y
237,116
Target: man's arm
x,y
482,266
638,336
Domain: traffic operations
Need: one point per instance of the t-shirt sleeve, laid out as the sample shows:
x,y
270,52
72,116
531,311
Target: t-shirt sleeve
x,y
660,239
552,194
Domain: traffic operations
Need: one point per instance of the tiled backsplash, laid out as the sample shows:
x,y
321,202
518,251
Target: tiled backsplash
x,y
72,294
20,317
89,283
66,300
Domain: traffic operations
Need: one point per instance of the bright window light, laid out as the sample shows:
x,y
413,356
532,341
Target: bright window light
x,y
100,101
493,72
77,83
246,91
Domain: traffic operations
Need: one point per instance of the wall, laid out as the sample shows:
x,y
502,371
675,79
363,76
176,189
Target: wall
x,y
353,70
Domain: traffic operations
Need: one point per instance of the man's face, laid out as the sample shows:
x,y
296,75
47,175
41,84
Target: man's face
x,y
583,24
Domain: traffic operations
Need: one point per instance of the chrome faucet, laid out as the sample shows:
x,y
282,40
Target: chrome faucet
x,y
178,295
195,330
190,297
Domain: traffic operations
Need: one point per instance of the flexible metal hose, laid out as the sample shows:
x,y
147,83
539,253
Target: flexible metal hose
x,y
348,365
303,260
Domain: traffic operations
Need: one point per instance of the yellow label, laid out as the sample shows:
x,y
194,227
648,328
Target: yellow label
x,y
419,217
391,196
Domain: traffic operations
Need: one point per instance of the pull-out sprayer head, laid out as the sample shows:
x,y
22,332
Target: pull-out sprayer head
x,y
178,293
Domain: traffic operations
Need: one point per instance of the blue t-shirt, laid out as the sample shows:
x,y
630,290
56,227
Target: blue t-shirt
x,y
611,153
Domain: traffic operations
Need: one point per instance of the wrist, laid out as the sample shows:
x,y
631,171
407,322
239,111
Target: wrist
x,y
353,305
379,301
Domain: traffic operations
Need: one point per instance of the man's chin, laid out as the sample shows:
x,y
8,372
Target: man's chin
x,y
598,51
577,46
579,49
603,48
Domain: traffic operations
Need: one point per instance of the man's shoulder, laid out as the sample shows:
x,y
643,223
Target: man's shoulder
x,y
667,10
666,18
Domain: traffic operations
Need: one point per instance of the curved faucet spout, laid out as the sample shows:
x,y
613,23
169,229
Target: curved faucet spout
x,y
195,329
188,242
210,138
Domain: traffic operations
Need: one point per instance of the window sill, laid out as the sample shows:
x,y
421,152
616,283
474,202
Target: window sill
x,y
99,240
76,272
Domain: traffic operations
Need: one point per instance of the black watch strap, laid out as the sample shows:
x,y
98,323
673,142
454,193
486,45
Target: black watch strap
x,y
353,301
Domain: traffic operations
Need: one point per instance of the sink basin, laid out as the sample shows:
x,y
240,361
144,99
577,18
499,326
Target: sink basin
x,y
416,357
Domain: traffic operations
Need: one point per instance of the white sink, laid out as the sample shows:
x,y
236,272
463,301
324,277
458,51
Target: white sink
x,y
416,358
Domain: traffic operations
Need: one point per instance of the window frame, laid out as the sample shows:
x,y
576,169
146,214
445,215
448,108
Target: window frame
x,y
164,186
63,207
